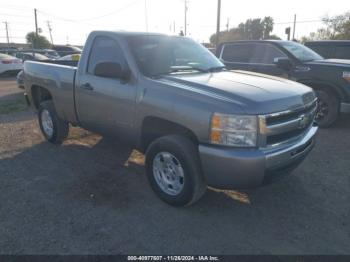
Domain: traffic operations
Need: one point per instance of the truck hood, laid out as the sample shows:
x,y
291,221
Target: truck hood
x,y
342,63
254,93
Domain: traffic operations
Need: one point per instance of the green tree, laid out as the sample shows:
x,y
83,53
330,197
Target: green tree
x,y
267,23
37,41
336,28
252,29
256,29
273,37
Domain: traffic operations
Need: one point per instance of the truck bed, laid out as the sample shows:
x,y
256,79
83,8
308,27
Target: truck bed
x,y
58,80
62,62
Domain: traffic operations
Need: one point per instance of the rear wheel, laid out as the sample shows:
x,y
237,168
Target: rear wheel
x,y
328,108
173,170
54,129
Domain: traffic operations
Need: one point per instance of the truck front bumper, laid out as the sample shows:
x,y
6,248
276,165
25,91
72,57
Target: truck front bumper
x,y
228,168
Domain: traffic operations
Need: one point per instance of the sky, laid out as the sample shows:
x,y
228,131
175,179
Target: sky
x,y
72,20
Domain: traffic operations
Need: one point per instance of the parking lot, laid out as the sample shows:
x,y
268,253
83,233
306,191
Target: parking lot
x,y
90,196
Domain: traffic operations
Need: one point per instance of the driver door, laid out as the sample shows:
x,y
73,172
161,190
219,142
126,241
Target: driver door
x,y
105,105
263,60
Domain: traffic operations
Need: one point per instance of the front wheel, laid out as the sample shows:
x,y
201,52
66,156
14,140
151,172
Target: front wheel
x,y
328,108
173,170
53,128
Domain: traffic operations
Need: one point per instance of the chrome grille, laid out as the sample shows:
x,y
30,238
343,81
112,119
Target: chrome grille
x,y
284,127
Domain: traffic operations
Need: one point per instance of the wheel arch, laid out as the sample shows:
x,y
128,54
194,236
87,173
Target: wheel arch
x,y
39,94
155,127
321,85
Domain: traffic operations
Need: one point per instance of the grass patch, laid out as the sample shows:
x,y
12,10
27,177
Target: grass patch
x,y
12,106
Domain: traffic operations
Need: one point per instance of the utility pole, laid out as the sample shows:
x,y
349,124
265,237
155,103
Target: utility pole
x,y
295,20
146,16
186,17
174,27
36,28
218,24
50,30
7,33
228,24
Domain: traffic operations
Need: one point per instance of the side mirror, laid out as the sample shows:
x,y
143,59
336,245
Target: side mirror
x,y
283,62
112,70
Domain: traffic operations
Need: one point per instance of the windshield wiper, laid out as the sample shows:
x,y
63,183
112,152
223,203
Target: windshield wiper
x,y
216,68
189,68
179,69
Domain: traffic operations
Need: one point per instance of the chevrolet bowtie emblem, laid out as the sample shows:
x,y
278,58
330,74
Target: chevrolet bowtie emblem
x,y
304,121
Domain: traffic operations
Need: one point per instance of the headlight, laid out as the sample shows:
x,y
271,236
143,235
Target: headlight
x,y
234,130
346,76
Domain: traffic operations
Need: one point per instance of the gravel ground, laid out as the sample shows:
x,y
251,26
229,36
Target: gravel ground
x,y
90,196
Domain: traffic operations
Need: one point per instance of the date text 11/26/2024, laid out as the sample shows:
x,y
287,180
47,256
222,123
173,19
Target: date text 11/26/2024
x,y
173,258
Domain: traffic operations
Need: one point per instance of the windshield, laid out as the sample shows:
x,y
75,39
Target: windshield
x,y
301,52
156,55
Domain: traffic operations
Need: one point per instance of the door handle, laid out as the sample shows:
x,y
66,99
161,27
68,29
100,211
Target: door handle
x,y
87,86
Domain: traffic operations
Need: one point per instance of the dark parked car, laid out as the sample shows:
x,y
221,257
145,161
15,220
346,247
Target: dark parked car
x,y
330,78
331,49
64,50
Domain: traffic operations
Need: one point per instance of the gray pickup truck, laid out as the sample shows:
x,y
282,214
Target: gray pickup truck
x,y
198,123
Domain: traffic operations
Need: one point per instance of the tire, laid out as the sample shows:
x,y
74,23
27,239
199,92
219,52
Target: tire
x,y
56,130
328,108
182,154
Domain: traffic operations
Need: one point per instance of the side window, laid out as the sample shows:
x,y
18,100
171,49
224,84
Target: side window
x,y
266,54
105,49
325,51
240,53
343,52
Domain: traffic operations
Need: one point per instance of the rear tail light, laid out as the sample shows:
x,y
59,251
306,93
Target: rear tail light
x,y
6,62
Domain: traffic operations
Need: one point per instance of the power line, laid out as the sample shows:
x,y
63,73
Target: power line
x,y
87,19
19,22
18,37
58,17
14,7
15,15
298,22
111,13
